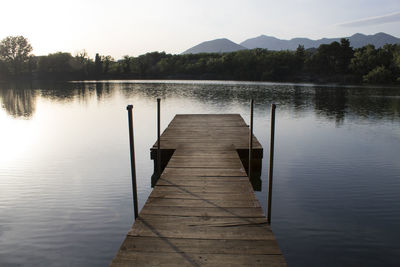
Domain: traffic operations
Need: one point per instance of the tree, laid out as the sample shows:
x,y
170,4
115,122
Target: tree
x,y
57,63
87,65
346,54
300,56
379,75
126,64
365,59
15,50
107,60
98,65
82,56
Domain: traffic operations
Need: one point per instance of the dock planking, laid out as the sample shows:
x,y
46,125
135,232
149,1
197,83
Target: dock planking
x,y
202,210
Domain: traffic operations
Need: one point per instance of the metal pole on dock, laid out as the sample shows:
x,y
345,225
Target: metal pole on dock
x,y
158,140
251,137
133,167
271,161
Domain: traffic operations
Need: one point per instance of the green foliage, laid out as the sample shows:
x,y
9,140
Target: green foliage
x,y
300,56
126,64
365,59
380,65
63,66
379,75
98,65
15,50
331,59
107,62
58,63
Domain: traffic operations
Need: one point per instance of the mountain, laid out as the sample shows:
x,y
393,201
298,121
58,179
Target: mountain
x,y
271,43
215,46
379,39
357,40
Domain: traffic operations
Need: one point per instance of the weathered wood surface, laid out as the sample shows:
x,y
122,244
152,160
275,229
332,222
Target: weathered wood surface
x,y
202,211
207,132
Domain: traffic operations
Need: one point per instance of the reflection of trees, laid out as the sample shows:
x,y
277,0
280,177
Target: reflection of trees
x,y
81,91
104,90
67,92
224,94
331,102
358,102
375,103
19,102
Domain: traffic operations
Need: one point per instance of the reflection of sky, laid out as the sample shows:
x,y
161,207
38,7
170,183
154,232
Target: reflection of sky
x,y
64,168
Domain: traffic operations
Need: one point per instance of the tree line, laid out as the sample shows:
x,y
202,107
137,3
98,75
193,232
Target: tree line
x,y
336,62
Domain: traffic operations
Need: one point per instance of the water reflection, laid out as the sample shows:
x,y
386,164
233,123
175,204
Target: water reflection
x,y
103,91
332,103
67,172
18,102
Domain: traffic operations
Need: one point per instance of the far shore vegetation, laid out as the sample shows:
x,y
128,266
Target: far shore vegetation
x,y
337,62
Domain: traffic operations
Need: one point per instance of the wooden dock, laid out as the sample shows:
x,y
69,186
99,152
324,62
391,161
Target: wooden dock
x,y
202,211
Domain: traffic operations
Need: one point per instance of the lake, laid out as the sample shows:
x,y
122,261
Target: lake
x,y
65,184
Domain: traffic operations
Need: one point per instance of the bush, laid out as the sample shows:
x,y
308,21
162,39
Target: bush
x,y
378,75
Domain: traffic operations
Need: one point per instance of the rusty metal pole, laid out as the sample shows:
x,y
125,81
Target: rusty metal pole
x,y
271,161
251,137
133,167
158,140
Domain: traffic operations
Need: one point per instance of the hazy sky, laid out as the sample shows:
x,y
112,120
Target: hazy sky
x,y
123,27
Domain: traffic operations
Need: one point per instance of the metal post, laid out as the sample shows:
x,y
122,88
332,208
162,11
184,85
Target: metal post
x,y
158,140
133,167
250,137
271,161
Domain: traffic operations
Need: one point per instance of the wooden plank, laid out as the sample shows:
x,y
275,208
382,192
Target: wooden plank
x,y
170,202
225,129
202,227
203,172
212,145
193,259
204,159
205,181
204,163
178,194
167,221
255,212
203,246
211,154
195,190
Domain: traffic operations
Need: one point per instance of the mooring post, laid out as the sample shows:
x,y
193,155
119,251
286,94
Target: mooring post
x,y
250,137
133,167
271,161
158,140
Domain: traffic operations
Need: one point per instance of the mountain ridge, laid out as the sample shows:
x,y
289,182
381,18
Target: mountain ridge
x,y
224,45
356,41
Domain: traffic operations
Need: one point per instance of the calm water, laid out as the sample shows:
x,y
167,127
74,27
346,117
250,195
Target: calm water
x,y
65,188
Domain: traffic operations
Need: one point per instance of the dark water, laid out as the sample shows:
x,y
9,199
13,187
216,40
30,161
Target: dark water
x,y
65,191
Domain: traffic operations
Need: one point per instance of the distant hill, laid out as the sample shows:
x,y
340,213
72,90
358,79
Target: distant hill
x,y
271,43
215,46
357,40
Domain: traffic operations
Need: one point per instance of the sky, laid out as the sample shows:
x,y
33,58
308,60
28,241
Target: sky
x,y
133,27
